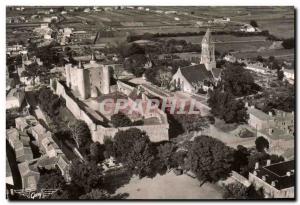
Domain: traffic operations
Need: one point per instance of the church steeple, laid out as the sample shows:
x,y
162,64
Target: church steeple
x,y
80,64
92,58
208,51
207,37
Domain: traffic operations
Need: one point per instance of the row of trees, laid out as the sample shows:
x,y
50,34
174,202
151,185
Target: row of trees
x,y
148,36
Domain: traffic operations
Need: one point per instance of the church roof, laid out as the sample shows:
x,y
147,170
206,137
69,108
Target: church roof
x,y
196,73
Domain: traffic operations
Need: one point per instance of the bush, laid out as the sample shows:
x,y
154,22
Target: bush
x,y
245,133
261,144
288,43
120,120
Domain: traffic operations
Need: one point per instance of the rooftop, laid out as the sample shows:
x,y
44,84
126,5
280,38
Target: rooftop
x,y
196,73
281,174
259,114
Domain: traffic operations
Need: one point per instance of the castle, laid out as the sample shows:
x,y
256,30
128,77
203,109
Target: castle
x,y
89,80
201,76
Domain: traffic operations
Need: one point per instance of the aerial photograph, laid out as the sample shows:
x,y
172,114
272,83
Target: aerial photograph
x,y
150,103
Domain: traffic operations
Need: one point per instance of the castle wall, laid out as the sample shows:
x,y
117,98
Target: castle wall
x,y
124,88
156,133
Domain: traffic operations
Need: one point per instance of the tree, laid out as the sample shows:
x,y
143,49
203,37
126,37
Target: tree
x,y
164,77
33,71
209,158
238,81
235,191
141,157
96,151
276,158
280,74
165,152
120,120
109,148
288,43
240,160
261,144
133,148
192,122
253,23
224,106
80,133
85,175
51,180
49,102
96,194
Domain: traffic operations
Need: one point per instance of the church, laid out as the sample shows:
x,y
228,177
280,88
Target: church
x,y
201,76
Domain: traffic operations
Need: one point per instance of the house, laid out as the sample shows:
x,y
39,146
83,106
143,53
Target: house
x,y
48,146
64,165
257,67
277,127
14,98
277,180
20,145
23,123
9,178
258,119
289,75
230,58
247,28
29,175
38,132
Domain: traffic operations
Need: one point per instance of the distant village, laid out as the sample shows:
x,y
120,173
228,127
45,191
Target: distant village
x,y
61,69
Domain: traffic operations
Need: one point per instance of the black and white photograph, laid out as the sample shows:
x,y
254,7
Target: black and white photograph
x,y
137,102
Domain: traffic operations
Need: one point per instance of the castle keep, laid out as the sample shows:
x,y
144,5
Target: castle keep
x,y
88,80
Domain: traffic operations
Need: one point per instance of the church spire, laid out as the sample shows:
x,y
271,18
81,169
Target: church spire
x,y
92,58
208,51
207,36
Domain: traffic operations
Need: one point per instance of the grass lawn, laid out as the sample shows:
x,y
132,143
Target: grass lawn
x,y
170,186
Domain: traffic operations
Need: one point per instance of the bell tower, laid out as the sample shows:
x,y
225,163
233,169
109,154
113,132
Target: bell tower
x,y
208,51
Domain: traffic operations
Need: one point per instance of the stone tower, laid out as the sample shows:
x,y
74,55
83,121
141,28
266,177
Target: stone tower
x,y
105,79
82,82
208,51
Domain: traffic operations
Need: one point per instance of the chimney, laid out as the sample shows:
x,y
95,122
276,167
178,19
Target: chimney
x,y
268,162
288,174
264,177
270,113
273,183
256,165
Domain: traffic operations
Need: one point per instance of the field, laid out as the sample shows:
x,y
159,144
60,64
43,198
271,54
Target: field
x,y
170,186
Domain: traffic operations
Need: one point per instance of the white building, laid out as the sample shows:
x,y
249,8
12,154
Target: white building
x,y
230,58
257,67
289,75
14,98
247,28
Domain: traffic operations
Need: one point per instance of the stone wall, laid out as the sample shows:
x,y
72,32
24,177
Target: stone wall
x,y
156,133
